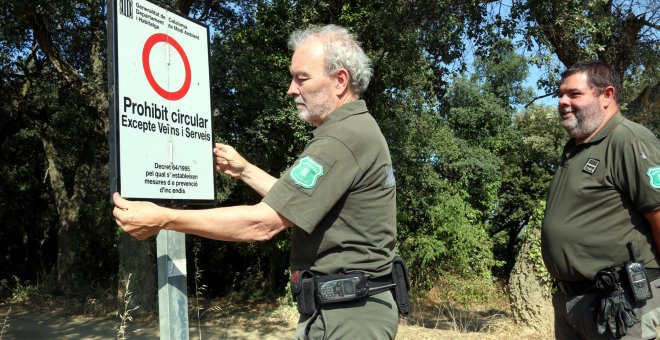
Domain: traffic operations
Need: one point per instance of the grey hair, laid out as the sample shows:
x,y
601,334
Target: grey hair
x,y
342,50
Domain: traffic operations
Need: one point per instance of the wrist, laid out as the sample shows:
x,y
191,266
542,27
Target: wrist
x,y
170,216
245,174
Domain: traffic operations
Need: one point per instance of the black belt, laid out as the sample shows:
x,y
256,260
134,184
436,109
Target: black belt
x,y
573,288
380,284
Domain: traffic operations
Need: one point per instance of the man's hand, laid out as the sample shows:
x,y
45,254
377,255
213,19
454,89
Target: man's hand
x,y
228,161
139,219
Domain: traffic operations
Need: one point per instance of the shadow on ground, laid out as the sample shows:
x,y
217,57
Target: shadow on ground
x,y
25,323
227,319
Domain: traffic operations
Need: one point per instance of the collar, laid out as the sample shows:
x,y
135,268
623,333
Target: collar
x,y
349,109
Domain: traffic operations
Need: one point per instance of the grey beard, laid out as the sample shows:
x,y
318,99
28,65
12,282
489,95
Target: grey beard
x,y
584,123
314,113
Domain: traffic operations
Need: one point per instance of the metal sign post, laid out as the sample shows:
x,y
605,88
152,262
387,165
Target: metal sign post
x,y
172,285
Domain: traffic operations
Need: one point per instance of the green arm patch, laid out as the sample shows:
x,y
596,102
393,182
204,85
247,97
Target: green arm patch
x,y
654,175
306,173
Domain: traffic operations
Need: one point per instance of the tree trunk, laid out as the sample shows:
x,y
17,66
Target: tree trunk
x,y
530,287
137,259
644,109
69,277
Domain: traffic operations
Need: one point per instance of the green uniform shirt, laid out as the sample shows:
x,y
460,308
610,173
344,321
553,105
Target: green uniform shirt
x,y
341,195
597,199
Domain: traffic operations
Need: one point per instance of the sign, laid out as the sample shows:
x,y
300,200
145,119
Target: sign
x,y
161,137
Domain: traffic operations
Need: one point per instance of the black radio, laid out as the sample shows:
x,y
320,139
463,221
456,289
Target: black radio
x,y
639,282
342,287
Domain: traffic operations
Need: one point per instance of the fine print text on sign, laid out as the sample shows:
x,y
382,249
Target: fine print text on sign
x,y
161,120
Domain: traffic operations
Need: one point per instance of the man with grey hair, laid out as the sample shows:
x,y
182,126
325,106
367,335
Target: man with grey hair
x,y
340,195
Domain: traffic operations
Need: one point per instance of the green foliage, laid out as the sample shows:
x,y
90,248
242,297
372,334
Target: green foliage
x,y
503,73
532,233
19,291
468,291
450,241
525,176
471,163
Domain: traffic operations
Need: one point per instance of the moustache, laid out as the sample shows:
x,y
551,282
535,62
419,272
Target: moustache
x,y
563,110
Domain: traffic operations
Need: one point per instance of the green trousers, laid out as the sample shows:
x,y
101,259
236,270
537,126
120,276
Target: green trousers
x,y
575,316
375,317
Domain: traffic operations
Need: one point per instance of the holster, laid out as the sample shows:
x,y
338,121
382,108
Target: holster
x,y
302,289
402,288
310,291
341,287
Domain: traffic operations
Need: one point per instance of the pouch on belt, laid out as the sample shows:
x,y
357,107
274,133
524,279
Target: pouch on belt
x,y
302,289
402,288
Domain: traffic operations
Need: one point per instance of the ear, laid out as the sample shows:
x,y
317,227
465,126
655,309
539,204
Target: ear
x,y
608,96
342,81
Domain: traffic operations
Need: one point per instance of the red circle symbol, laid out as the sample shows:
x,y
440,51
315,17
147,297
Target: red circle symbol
x,y
153,40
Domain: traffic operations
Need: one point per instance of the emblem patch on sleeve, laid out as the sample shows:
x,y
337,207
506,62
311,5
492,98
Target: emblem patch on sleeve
x,y
654,175
307,172
390,180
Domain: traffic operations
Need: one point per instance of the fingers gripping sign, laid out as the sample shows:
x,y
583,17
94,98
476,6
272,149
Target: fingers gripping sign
x,y
228,161
139,219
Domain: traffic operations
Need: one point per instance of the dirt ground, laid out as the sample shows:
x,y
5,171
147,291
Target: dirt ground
x,y
245,321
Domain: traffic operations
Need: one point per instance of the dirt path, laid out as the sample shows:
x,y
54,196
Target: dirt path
x,y
245,322
32,325
24,324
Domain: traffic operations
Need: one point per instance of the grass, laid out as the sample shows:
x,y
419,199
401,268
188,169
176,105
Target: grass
x,y
447,311
199,291
268,319
462,309
125,316
5,323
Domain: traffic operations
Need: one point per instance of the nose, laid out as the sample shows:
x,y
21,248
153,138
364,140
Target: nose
x,y
293,89
563,101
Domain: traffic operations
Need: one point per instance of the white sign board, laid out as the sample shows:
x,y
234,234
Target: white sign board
x,y
161,130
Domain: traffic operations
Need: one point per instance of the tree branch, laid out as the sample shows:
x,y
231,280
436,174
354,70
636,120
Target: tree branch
x,y
537,98
651,24
183,6
42,36
71,76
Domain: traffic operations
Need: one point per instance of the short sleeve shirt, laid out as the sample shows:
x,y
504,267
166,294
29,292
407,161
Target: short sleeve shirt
x,y
597,201
341,195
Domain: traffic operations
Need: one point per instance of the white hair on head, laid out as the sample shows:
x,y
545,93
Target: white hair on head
x,y
342,50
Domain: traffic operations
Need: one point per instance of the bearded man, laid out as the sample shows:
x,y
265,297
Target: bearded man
x,y
602,219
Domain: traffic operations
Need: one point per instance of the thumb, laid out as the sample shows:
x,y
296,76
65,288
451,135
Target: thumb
x,y
119,201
